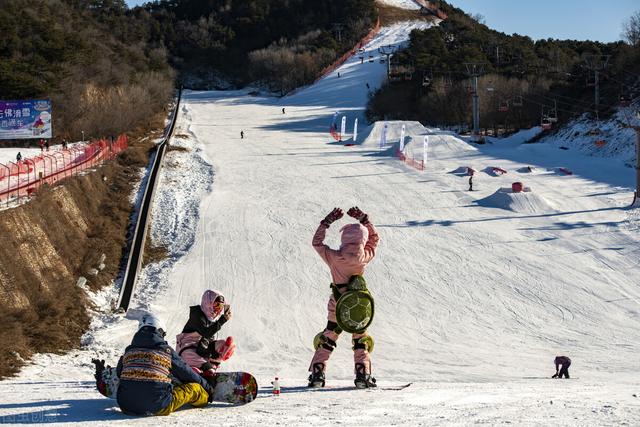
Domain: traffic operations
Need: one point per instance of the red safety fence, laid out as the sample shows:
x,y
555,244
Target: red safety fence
x,y
416,164
366,39
23,178
338,62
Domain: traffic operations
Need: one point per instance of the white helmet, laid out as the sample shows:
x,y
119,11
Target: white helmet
x,y
149,319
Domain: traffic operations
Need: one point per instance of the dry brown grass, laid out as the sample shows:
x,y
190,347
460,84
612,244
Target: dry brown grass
x,y
177,148
389,15
46,244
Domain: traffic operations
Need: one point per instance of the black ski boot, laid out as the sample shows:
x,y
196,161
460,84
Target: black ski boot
x,y
316,379
363,380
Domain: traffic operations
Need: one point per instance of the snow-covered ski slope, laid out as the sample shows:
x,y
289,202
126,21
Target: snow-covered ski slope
x,y
476,292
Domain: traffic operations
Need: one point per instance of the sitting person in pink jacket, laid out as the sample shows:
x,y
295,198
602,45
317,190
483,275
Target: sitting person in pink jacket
x,y
357,249
197,344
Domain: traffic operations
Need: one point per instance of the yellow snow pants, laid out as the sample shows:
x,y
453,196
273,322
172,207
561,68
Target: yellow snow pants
x,y
191,393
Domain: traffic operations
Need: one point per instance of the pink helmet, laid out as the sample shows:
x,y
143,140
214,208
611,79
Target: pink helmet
x,y
354,234
211,303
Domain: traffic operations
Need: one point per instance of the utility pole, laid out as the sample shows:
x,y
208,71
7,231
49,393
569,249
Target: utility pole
x,y
597,63
636,196
474,70
387,51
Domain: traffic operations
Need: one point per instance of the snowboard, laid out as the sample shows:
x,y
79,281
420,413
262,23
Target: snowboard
x,y
230,387
234,387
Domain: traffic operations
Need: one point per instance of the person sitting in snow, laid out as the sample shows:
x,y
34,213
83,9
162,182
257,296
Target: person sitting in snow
x,y
564,362
197,344
146,371
357,249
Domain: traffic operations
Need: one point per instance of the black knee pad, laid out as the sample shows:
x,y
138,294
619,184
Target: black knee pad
x,y
333,327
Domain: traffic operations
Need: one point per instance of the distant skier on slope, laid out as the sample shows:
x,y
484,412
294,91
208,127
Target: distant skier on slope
x,y
147,371
197,344
357,249
564,362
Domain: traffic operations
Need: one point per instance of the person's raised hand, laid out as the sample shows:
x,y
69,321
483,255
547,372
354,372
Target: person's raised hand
x,y
356,213
333,216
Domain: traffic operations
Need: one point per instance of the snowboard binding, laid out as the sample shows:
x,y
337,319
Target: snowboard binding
x,y
317,378
363,380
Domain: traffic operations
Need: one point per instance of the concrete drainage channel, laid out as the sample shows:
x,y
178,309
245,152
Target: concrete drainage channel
x,y
136,249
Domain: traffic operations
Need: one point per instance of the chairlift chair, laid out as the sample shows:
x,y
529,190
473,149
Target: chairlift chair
x,y
517,101
546,123
370,58
426,81
553,116
503,107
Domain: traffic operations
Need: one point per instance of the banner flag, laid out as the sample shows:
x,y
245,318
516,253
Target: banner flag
x,y
425,145
383,136
355,130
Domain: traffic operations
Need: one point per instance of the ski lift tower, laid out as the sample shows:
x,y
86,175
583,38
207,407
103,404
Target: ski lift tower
x,y
387,51
595,64
337,29
475,70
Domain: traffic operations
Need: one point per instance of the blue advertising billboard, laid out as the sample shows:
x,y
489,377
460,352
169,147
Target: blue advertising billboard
x,y
25,119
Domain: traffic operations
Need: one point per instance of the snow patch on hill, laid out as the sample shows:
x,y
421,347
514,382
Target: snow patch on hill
x,y
606,138
402,4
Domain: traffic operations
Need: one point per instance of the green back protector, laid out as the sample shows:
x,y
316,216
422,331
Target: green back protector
x,y
354,311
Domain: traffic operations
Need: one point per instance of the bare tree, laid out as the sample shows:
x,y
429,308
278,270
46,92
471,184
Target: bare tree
x,y
631,29
478,17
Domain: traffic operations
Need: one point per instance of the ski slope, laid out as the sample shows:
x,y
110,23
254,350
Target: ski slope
x,y
475,294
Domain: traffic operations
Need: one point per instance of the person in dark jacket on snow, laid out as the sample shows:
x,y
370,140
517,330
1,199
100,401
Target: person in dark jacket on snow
x,y
565,362
197,344
146,370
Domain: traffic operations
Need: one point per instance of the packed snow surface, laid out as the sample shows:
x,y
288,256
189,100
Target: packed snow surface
x,y
473,299
403,4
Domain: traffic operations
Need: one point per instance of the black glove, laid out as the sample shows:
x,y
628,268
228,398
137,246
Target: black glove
x,y
356,213
333,216
221,321
203,348
227,312
100,367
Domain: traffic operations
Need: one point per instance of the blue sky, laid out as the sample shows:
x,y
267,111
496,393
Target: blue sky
x,y
541,19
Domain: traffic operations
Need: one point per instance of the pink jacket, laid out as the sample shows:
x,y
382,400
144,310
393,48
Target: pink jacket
x,y
186,344
357,249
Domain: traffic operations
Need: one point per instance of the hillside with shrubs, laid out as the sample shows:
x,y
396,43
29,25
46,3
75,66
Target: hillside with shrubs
x,y
520,81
